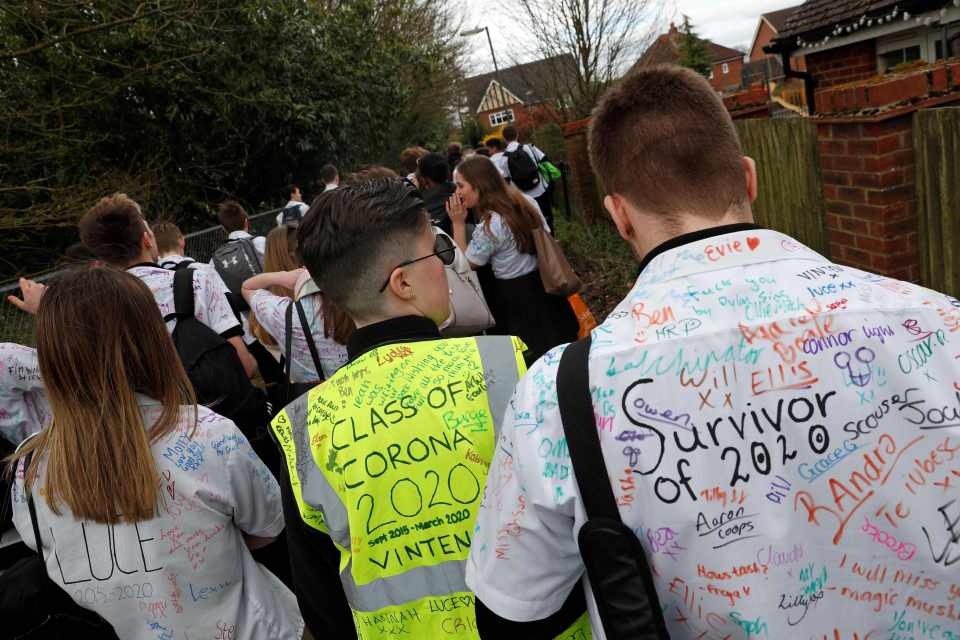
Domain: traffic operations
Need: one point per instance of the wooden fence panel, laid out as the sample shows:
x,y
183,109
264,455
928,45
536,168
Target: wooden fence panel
x,y
936,142
790,198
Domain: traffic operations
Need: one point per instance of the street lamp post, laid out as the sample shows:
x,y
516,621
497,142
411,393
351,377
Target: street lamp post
x,y
496,69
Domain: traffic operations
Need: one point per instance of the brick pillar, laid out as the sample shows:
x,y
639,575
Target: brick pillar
x,y
868,185
583,182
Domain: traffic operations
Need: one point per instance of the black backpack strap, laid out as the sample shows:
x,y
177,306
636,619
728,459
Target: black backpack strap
x,y
308,336
288,347
31,508
615,561
576,412
183,293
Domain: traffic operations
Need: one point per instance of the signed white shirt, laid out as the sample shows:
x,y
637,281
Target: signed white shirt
x,y
781,433
209,300
23,406
186,573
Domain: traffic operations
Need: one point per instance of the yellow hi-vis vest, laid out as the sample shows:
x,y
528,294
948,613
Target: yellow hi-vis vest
x,y
389,457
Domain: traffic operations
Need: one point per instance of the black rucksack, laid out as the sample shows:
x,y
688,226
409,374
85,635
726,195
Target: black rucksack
x,y
212,364
292,214
523,170
236,262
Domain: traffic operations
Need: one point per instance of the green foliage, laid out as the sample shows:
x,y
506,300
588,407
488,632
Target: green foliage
x,y
693,51
602,259
549,138
185,102
472,132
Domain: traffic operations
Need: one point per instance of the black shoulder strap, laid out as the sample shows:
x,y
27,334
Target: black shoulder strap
x,y
579,427
308,336
183,293
32,508
185,264
288,346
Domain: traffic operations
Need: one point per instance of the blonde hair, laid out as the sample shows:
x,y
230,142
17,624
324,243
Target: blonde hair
x,y
100,341
280,255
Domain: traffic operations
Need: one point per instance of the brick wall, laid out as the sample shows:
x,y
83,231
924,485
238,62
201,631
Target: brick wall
x,y
868,185
844,64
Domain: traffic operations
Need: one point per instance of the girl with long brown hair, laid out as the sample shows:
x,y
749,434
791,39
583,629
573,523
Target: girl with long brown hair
x,y
504,239
143,498
270,293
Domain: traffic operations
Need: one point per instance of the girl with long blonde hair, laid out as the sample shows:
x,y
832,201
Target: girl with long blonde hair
x,y
143,499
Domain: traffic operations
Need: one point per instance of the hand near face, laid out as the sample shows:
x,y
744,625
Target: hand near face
x,y
456,210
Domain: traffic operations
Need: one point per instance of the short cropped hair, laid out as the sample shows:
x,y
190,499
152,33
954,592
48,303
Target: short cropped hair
x,y
663,140
232,216
168,236
509,133
291,188
352,236
495,143
113,229
328,173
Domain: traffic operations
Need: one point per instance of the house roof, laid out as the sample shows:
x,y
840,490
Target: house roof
x,y
665,50
778,19
531,82
823,15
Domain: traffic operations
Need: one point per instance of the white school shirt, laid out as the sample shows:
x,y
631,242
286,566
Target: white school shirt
x,y
209,297
303,211
271,312
248,337
500,162
497,246
187,572
536,155
24,408
820,496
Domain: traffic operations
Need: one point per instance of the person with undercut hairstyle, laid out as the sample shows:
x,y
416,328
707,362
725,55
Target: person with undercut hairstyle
x,y
387,459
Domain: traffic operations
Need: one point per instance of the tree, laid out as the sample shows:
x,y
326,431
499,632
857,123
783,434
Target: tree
x,y
693,50
588,44
184,102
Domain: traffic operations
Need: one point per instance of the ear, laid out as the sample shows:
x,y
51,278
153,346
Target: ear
x,y
400,285
618,212
147,241
750,174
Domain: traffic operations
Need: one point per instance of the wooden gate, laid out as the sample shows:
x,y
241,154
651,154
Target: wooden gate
x,y
790,198
936,142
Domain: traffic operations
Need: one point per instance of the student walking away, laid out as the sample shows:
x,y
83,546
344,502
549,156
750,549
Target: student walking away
x,y
205,330
295,208
409,158
328,327
330,177
171,246
504,239
454,155
433,180
495,146
427,408
147,505
241,257
520,165
776,436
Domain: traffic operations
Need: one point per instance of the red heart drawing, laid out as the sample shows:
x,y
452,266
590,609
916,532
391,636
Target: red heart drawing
x,y
753,242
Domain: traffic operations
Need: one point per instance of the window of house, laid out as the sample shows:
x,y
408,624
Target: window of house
x,y
922,44
500,117
726,68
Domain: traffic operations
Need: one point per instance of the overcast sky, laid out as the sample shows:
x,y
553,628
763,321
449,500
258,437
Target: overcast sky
x,y
728,22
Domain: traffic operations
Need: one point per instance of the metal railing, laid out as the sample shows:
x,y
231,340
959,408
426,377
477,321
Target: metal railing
x,y
17,326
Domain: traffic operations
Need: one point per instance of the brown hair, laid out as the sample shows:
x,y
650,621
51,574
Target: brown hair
x,y
97,446
168,236
113,229
232,216
497,196
282,254
409,158
663,140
